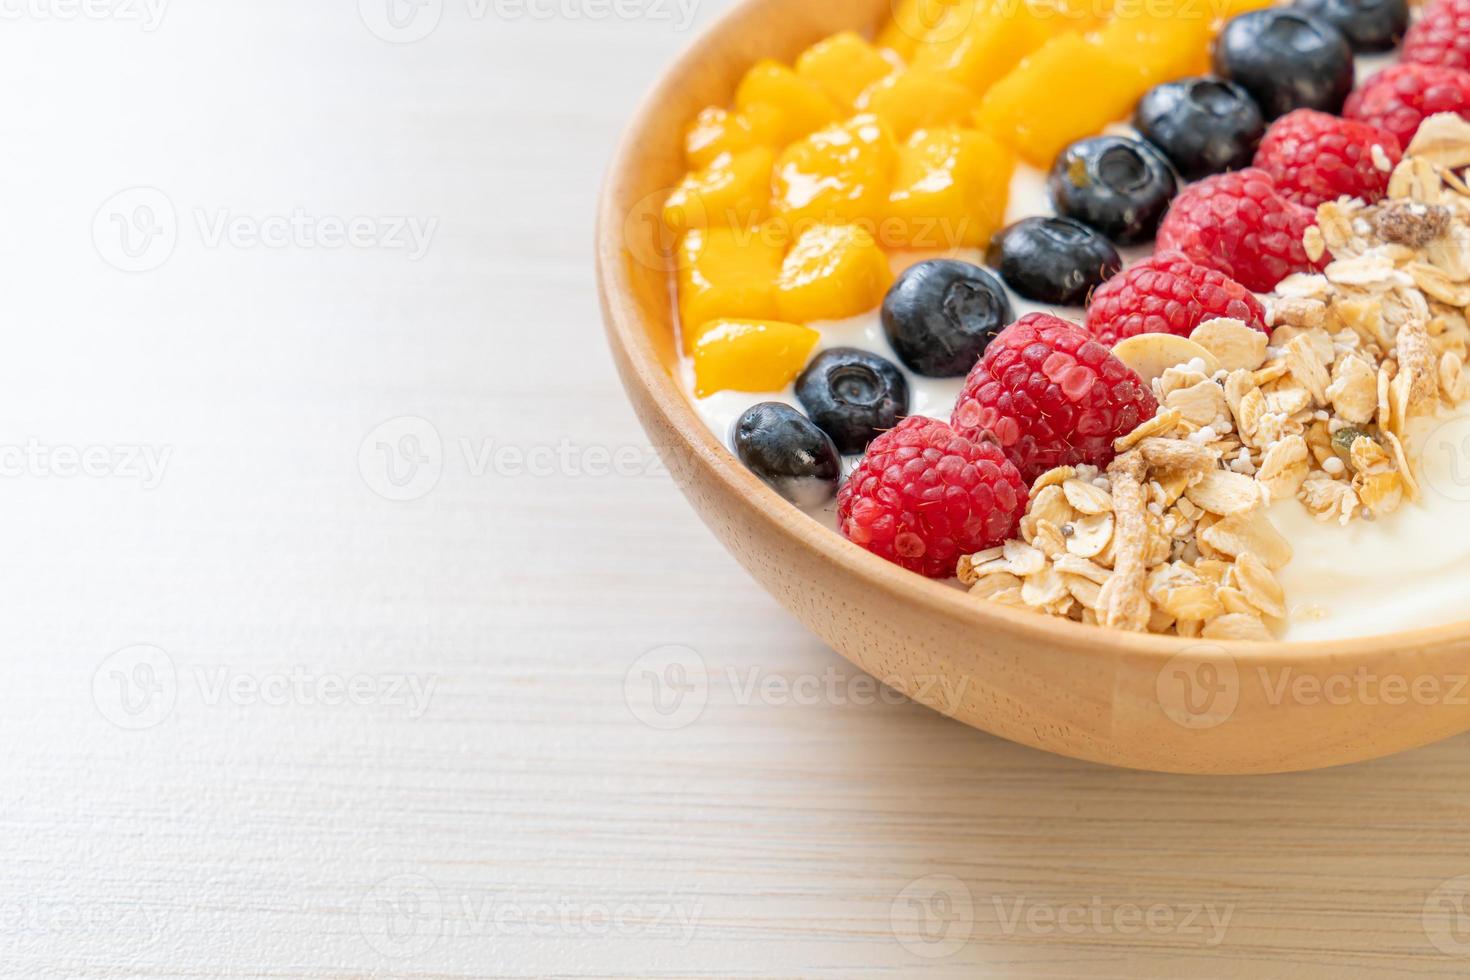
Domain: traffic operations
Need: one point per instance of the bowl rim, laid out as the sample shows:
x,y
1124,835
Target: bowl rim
x,y
629,335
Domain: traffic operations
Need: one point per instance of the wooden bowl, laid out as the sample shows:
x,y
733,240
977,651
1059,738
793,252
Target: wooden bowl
x,y
1144,702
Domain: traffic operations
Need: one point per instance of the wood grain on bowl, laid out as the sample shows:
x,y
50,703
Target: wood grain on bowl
x,y
1139,701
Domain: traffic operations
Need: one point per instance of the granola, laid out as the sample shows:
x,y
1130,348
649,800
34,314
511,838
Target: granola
x,y
1175,537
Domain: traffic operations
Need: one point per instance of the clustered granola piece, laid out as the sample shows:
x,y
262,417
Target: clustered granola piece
x,y
1174,538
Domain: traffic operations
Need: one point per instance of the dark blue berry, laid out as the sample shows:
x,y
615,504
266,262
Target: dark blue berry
x,y
1203,125
1053,260
853,396
1369,25
1286,59
786,450
941,315
1118,186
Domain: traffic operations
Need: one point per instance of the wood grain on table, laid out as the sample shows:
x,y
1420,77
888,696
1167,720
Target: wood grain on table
x,y
357,679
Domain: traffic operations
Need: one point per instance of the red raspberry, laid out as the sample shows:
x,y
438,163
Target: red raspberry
x,y
1399,98
1239,224
923,496
1167,293
1441,36
1051,396
1317,158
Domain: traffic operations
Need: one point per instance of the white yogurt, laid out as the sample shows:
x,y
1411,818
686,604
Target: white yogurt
x,y
1407,571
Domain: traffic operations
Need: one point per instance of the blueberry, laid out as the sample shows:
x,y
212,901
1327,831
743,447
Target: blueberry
x,y
941,315
853,396
786,450
1118,186
1369,25
1053,260
1203,125
1286,59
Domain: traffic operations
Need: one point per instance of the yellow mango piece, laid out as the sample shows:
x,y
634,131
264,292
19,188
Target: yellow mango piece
x,y
790,106
836,175
843,65
727,273
715,132
750,355
912,100
1066,90
914,21
1000,35
734,190
832,272
1160,47
1051,18
950,190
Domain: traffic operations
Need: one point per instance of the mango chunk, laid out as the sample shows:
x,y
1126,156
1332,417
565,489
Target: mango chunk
x,y
836,175
950,190
843,65
832,272
734,191
750,355
726,273
1064,91
781,106
914,21
1052,18
715,132
912,100
1160,48
998,37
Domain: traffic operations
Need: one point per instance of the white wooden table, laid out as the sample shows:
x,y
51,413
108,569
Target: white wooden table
x,y
334,561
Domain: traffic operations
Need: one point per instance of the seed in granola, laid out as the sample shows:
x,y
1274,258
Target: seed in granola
x,y
1411,224
1343,439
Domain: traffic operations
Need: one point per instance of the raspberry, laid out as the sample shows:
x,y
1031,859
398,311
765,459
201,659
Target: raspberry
x,y
1168,293
1441,36
1317,158
1398,99
1239,224
923,496
1051,396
